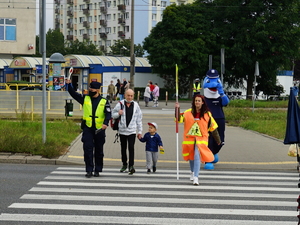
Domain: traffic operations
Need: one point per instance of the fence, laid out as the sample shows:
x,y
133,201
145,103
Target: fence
x,y
32,100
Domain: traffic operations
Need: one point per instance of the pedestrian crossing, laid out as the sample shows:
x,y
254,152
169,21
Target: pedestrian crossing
x,y
223,197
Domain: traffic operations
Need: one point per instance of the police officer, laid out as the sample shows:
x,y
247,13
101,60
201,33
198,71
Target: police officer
x,y
196,87
96,116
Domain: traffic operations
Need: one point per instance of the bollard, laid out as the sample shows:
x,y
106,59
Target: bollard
x,y
69,108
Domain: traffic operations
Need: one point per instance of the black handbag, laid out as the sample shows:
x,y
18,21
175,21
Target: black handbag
x,y
115,122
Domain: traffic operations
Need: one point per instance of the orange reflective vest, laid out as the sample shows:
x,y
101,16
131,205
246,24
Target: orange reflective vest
x,y
196,132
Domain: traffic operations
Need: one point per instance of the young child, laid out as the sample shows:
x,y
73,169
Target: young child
x,y
153,141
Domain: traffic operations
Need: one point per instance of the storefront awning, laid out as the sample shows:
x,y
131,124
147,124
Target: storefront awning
x,y
85,60
26,62
5,62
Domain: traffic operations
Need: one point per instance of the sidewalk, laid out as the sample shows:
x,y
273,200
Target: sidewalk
x,y
243,149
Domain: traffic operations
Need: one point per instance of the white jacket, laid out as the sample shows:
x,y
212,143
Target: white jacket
x,y
147,92
135,125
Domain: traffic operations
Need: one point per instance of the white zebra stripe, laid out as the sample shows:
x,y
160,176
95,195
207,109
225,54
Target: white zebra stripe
x,y
129,220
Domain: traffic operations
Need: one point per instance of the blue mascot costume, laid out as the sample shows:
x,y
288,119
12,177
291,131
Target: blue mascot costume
x,y
215,99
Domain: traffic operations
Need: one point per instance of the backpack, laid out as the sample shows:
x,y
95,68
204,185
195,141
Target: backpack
x,y
114,123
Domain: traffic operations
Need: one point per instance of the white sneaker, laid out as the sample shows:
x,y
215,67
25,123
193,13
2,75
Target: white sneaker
x,y
192,176
195,182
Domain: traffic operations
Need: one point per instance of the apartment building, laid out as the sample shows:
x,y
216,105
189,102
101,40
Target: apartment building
x,y
103,22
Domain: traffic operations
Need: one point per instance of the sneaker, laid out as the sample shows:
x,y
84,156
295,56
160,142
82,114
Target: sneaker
x,y
192,176
154,169
123,169
148,171
131,170
195,182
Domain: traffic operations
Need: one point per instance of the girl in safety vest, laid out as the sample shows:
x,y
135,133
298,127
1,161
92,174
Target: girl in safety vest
x,y
198,123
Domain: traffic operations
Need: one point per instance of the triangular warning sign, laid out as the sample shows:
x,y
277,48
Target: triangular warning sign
x,y
195,130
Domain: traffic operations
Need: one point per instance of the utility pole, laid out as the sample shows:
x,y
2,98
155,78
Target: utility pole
x,y
42,48
132,56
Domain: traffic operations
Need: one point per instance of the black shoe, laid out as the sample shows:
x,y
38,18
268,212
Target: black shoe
x,y
123,169
89,174
96,174
131,170
148,171
154,169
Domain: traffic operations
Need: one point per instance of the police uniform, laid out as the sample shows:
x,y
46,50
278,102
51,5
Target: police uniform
x,y
96,112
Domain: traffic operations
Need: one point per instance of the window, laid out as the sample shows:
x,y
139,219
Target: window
x,y
81,19
163,4
108,43
108,4
90,19
153,16
90,31
126,15
108,16
153,2
8,29
108,30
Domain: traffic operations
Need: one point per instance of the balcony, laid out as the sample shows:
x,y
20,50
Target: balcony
x,y
57,11
121,21
86,1
86,36
57,21
122,7
103,23
57,2
86,24
121,34
70,37
103,9
70,2
70,13
70,25
103,35
86,11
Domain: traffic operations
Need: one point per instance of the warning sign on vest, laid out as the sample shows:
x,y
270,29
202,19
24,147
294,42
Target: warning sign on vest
x,y
195,130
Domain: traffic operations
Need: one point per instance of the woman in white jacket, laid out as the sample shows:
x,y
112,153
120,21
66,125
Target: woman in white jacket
x,y
130,124
147,94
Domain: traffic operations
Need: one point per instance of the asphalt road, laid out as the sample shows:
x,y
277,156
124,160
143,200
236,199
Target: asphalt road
x,y
39,194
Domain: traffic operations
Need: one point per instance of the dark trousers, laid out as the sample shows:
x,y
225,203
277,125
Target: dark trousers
x,y
93,149
130,139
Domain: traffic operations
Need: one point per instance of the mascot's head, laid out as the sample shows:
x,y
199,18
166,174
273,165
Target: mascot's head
x,y
212,84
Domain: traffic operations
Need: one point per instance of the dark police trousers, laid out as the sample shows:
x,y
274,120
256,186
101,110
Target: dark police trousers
x,y
93,149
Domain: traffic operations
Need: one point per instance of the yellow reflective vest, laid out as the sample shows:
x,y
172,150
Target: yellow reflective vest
x,y
88,112
196,133
197,89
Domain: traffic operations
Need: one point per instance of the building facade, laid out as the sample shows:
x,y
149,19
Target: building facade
x,y
17,28
103,22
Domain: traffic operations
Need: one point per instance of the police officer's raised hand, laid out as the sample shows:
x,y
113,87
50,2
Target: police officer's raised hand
x,y
177,105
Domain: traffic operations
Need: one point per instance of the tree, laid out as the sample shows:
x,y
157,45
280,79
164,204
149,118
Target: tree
x,y
255,30
82,48
55,43
183,37
122,47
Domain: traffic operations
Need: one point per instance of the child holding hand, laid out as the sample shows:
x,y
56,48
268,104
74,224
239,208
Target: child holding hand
x,y
153,142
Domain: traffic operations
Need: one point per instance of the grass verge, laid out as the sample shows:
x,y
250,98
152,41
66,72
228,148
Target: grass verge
x,y
26,137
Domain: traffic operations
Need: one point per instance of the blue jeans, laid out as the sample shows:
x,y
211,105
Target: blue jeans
x,y
121,96
195,164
